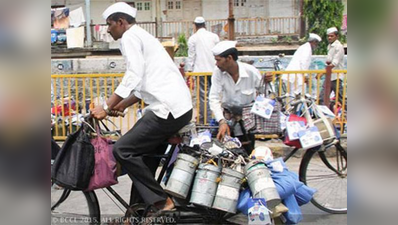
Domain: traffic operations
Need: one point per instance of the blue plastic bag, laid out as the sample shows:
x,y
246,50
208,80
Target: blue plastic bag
x,y
304,194
285,184
274,165
294,215
243,201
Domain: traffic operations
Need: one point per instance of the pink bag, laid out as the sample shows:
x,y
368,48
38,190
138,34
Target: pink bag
x,y
105,164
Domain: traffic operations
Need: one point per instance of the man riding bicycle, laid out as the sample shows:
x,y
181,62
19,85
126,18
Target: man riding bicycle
x,y
152,76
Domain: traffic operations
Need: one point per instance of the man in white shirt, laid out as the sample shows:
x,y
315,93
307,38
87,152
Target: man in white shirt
x,y
201,59
301,61
233,83
152,76
335,59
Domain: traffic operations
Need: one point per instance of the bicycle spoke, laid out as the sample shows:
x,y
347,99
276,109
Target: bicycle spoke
x,y
328,175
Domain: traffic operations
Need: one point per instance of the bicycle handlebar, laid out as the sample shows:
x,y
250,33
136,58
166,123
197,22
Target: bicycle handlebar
x,y
116,113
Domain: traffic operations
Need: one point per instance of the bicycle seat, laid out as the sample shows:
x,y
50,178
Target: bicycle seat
x,y
175,140
191,126
236,110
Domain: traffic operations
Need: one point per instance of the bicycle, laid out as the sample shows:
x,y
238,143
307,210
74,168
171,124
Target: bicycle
x,y
90,211
323,168
319,166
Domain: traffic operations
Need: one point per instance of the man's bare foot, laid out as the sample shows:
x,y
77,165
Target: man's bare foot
x,y
165,205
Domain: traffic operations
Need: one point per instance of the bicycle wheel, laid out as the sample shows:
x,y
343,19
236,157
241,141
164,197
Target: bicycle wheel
x,y
74,207
326,171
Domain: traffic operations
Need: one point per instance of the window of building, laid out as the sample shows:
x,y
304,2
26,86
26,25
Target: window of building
x,y
147,6
139,6
178,4
238,3
170,5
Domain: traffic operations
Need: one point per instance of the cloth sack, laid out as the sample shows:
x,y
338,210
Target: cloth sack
x,y
74,165
286,182
259,125
294,215
243,201
105,163
304,194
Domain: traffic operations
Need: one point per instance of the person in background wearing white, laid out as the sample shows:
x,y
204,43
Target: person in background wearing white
x,y
335,59
152,76
235,84
201,59
301,61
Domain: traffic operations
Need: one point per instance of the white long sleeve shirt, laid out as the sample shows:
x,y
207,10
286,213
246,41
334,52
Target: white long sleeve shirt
x,y
336,56
301,61
152,75
225,90
200,58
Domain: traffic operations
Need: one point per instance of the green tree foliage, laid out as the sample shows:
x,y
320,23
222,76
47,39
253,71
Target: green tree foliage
x,y
182,46
321,15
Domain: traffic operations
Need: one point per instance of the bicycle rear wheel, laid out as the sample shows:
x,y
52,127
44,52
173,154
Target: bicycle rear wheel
x,y
326,171
77,207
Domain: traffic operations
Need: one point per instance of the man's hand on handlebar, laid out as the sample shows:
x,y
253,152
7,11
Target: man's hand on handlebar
x,y
115,113
98,112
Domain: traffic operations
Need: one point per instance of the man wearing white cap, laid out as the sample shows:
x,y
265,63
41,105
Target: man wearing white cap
x,y
301,61
152,76
201,59
335,59
234,84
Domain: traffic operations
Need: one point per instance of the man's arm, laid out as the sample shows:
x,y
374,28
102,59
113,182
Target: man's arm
x,y
330,56
215,105
338,55
305,58
127,102
191,54
135,62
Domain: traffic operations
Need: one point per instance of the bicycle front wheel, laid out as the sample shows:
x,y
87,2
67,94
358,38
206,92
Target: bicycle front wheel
x,y
326,171
74,207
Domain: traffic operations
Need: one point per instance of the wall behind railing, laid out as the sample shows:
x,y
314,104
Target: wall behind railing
x,y
117,64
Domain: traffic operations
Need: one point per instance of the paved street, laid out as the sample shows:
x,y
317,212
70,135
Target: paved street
x,y
75,205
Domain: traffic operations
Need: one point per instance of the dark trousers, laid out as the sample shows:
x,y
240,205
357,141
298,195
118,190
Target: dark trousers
x,y
247,138
334,89
202,94
146,138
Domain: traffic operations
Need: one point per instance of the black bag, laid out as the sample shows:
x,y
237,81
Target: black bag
x,y
54,149
74,165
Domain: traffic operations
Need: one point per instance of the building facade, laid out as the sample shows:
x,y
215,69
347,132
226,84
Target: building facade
x,y
187,10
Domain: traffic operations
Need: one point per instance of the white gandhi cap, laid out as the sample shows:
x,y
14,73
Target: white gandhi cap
x,y
199,19
314,37
331,30
223,46
119,7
